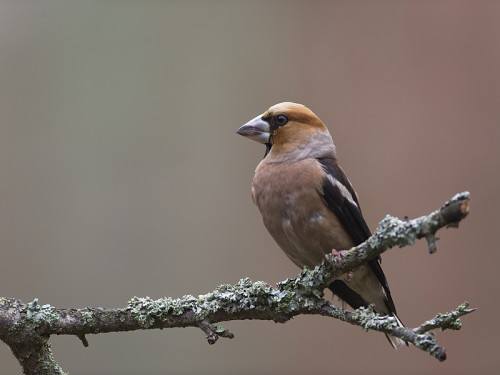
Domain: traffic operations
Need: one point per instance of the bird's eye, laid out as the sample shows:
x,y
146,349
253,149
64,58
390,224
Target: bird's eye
x,y
281,120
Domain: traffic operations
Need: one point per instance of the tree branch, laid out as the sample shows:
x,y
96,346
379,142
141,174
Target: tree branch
x,y
27,327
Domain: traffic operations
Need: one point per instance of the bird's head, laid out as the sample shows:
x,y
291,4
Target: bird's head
x,y
290,131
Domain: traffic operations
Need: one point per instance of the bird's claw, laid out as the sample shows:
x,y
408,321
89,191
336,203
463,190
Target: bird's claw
x,y
348,276
339,253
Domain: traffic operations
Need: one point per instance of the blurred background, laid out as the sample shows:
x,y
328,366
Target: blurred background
x,y
121,175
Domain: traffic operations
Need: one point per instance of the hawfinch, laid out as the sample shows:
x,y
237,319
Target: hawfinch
x,y
308,204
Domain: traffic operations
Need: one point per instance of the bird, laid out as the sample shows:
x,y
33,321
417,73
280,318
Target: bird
x,y
308,204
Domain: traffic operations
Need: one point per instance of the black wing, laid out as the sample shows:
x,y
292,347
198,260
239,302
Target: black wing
x,y
351,218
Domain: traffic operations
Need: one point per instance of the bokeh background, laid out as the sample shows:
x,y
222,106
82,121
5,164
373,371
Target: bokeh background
x,y
121,175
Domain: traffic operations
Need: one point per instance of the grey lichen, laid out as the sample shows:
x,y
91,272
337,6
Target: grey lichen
x,y
48,362
304,292
34,315
87,316
244,296
370,320
392,231
27,327
289,297
427,342
450,320
146,310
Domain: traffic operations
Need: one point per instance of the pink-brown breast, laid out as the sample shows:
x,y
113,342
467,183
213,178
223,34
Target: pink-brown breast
x,y
289,198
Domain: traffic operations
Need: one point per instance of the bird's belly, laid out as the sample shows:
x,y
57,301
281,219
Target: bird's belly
x,y
297,218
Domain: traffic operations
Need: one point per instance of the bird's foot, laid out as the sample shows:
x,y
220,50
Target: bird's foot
x,y
340,254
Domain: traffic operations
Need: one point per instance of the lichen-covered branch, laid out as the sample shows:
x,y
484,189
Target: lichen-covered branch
x,y
27,327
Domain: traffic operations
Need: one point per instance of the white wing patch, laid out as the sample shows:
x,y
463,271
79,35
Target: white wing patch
x,y
343,190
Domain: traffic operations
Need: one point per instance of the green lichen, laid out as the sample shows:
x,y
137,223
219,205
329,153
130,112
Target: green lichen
x,y
10,303
427,342
244,296
290,296
369,319
49,364
456,325
304,291
448,320
33,314
87,316
146,310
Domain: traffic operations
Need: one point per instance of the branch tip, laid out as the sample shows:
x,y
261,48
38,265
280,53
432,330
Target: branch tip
x,y
456,209
431,243
213,332
84,341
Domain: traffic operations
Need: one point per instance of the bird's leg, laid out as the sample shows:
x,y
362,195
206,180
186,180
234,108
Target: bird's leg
x,y
340,254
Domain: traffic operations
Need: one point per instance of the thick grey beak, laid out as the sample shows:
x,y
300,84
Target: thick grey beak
x,y
256,129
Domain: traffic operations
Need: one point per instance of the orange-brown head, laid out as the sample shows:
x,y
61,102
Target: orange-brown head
x,y
290,131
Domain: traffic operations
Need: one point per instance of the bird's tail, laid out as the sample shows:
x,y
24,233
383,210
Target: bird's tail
x,y
396,342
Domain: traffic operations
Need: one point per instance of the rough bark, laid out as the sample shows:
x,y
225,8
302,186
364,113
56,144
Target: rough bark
x,y
26,327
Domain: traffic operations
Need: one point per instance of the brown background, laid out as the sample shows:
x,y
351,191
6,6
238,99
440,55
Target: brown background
x,y
121,175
